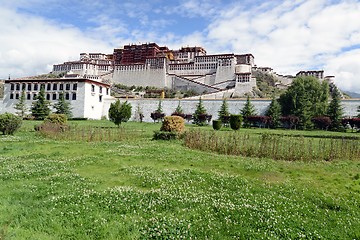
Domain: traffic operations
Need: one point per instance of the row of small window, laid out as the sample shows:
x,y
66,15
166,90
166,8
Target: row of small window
x,y
48,86
53,96
100,89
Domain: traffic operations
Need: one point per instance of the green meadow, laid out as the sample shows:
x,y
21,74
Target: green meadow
x,y
86,186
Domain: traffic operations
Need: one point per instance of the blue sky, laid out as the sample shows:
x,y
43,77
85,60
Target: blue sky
x,y
287,35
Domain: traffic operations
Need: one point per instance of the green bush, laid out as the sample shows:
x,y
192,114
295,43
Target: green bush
x,y
161,135
216,124
9,123
235,121
56,118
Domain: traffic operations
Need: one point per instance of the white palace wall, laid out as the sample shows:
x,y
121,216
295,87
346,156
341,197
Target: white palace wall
x,y
140,75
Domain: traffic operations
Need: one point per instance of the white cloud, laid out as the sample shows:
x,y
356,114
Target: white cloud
x,y
347,69
30,45
293,36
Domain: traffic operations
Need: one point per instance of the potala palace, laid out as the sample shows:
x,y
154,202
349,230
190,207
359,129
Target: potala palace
x,y
86,82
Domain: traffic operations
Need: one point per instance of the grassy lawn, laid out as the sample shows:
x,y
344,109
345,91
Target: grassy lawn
x,y
144,189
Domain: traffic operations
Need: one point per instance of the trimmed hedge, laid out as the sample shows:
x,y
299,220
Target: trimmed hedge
x,y
235,121
216,124
173,124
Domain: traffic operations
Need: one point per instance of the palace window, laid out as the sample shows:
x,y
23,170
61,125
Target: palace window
x,y
61,87
100,89
74,96
68,86
42,86
107,91
75,86
35,87
28,97
12,87
48,96
11,96
100,98
17,96
29,87
17,87
54,96
23,86
67,96
92,88
34,96
48,87
55,86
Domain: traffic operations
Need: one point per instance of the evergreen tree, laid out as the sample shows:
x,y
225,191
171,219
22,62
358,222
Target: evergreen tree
x,y
40,108
274,112
63,107
200,114
20,106
247,111
224,113
139,115
179,109
305,98
335,111
119,112
159,109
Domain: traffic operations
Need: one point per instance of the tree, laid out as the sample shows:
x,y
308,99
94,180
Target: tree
x,y
200,115
63,107
139,115
158,114
40,108
20,106
335,111
179,109
119,112
274,112
224,114
247,111
305,98
358,110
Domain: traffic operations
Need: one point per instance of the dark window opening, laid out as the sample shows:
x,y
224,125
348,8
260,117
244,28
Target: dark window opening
x,y
48,96
54,96
75,86
74,96
67,96
11,96
68,86
28,97
55,86
29,87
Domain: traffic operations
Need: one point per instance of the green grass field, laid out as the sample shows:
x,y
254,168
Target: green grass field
x,y
144,189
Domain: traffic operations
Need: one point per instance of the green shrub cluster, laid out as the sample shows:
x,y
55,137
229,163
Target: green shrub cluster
x,y
161,135
9,123
56,118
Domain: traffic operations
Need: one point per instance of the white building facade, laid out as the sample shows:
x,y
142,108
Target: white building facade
x,y
86,96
